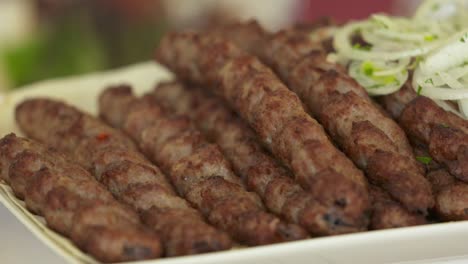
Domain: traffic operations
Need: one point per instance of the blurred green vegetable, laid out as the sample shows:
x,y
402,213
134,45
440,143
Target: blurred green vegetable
x,y
69,48
77,37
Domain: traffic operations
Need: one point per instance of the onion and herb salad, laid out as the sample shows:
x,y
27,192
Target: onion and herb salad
x,y
380,52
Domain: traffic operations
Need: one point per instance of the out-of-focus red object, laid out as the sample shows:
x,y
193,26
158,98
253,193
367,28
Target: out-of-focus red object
x,y
342,10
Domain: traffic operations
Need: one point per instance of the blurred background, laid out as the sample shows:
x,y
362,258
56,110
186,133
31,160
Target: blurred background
x,y
42,39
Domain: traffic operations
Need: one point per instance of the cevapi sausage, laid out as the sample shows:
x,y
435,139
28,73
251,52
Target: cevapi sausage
x,y
197,168
115,162
277,116
358,126
74,203
258,169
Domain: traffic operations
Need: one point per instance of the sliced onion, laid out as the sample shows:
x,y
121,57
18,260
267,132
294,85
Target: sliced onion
x,y
432,42
463,105
376,83
342,43
451,55
448,107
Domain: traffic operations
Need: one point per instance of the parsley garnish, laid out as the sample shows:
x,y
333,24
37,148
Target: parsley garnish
x,y
464,39
360,47
424,159
419,90
429,38
368,68
415,62
429,81
377,21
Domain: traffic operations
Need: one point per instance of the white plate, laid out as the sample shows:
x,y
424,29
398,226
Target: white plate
x,y
414,244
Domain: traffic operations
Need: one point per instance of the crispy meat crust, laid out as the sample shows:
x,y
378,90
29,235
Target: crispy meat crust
x,y
75,204
115,162
197,168
258,169
275,113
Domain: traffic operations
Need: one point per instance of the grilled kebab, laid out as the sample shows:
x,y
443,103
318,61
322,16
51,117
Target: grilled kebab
x,y
439,137
370,138
127,174
277,116
74,203
261,172
197,168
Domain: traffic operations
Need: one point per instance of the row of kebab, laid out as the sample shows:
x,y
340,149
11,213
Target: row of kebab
x,y
259,140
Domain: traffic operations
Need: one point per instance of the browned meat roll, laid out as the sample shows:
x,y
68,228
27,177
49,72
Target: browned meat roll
x,y
387,213
258,169
450,193
197,168
115,162
364,132
74,204
277,116
444,133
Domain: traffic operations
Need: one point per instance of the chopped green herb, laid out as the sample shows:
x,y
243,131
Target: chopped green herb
x,y
377,21
415,63
435,7
429,81
429,38
424,159
375,86
465,63
419,89
464,39
368,68
360,47
444,125
389,80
